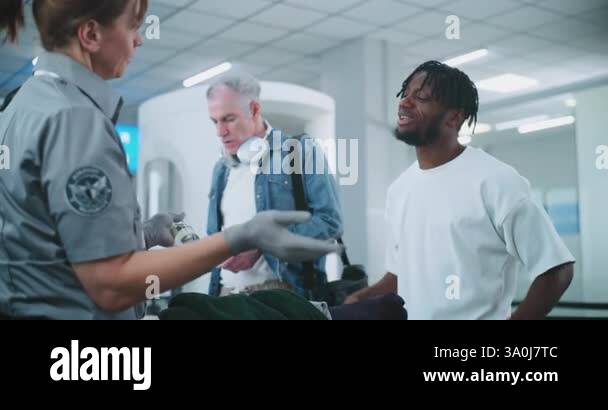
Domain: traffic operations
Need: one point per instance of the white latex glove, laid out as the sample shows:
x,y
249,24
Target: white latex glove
x,y
268,232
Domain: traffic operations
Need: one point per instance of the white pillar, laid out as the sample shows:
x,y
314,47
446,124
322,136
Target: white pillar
x,y
591,133
356,76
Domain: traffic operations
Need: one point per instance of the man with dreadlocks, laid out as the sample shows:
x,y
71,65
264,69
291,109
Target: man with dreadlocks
x,y
463,226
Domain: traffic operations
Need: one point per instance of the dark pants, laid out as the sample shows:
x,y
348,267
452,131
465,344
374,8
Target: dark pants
x,y
387,307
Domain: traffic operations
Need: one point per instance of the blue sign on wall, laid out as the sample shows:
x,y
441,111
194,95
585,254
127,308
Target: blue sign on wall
x,y
565,217
129,136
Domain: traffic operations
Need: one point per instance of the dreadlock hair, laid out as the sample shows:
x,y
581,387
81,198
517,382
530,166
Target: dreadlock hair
x,y
450,87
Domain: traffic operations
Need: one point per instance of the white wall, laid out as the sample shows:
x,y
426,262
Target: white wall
x,y
344,86
593,182
357,76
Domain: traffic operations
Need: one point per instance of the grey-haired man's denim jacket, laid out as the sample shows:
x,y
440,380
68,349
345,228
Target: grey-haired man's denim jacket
x,y
274,191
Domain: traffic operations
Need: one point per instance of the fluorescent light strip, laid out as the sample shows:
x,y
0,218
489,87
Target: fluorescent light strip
x,y
507,83
552,123
467,58
480,128
518,123
206,75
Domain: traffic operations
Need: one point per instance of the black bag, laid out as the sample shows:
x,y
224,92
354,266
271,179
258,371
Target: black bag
x,y
354,277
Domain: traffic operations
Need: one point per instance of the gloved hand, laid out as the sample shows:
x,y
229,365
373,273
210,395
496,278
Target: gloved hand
x,y
268,232
157,231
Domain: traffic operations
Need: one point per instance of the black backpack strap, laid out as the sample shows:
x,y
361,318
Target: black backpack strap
x,y
300,198
344,255
302,205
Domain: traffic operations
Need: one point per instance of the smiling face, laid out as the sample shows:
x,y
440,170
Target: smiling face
x,y
421,116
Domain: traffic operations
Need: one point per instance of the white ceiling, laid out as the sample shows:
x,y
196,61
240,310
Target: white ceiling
x,y
556,41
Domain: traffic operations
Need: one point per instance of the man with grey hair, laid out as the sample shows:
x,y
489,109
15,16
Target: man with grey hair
x,y
240,189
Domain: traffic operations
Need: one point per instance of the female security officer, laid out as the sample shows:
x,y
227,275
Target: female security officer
x,y
71,242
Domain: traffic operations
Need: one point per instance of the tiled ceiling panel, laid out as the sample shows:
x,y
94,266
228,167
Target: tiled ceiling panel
x,y
556,41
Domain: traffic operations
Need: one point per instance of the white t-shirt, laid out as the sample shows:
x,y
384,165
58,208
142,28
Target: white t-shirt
x,y
460,236
238,206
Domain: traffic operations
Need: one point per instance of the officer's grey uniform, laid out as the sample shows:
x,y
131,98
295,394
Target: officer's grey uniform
x,y
68,196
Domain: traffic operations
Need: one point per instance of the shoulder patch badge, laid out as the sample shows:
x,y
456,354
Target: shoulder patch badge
x,y
89,191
